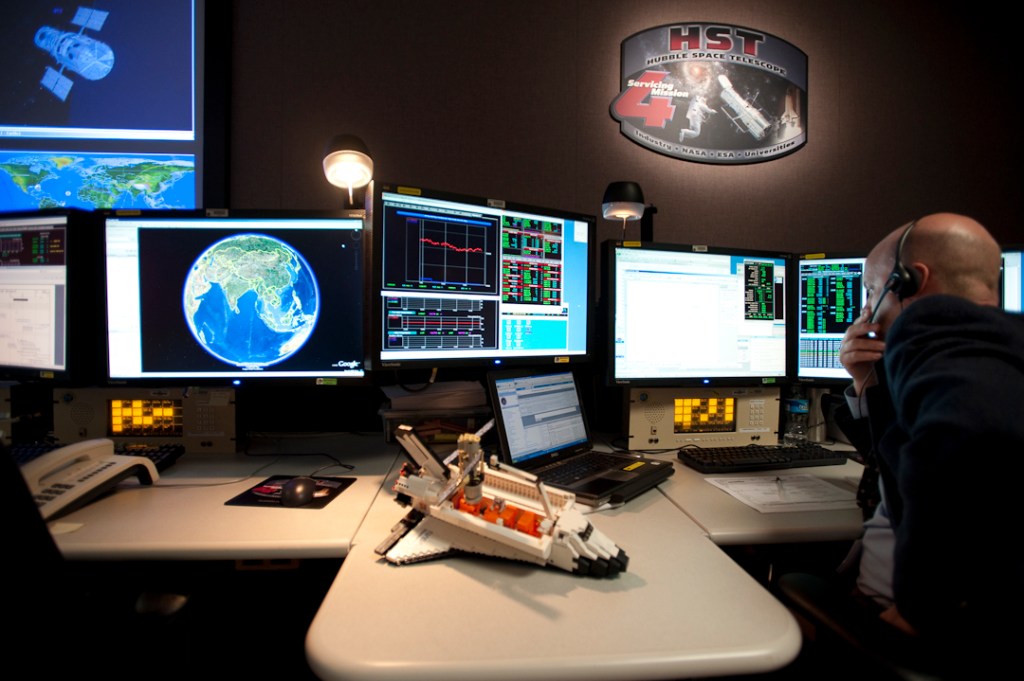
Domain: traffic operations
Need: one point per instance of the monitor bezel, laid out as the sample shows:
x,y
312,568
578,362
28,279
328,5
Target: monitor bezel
x,y
375,328
609,282
240,380
216,103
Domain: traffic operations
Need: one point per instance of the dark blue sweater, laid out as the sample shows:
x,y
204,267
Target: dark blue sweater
x,y
954,466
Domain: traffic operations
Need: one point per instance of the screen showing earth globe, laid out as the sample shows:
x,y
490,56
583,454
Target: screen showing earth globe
x,y
251,300
194,297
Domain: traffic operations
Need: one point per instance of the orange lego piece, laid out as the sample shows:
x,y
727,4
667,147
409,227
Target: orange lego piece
x,y
527,523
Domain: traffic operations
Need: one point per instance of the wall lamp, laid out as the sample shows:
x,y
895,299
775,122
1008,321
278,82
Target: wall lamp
x,y
347,163
625,201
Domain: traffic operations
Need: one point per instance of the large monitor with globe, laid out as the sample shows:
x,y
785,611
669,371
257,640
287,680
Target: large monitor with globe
x,y
232,298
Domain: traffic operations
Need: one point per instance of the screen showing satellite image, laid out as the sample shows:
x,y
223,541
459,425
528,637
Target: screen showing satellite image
x,y
101,105
255,297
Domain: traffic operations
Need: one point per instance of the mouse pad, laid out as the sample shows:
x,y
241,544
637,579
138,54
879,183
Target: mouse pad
x,y
268,492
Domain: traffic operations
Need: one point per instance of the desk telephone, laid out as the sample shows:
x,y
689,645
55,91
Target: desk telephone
x,y
70,477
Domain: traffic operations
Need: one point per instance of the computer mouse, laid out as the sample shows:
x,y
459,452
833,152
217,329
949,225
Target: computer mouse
x,y
298,491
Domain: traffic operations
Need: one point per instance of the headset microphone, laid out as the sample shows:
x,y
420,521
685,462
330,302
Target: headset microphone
x,y
890,286
901,281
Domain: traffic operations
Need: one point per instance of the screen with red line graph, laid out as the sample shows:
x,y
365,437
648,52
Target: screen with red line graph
x,y
467,280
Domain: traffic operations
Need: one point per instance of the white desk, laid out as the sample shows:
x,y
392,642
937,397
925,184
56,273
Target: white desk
x,y
682,608
183,516
729,521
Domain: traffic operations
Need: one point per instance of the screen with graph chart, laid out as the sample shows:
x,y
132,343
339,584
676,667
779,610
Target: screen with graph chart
x,y
470,281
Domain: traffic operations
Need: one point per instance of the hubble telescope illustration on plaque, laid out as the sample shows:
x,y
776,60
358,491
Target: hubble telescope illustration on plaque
x,y
464,505
746,117
77,52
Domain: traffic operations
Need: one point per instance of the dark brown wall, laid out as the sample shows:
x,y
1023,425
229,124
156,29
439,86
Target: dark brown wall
x,y
912,109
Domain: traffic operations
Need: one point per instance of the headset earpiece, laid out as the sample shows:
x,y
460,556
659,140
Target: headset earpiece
x,y
903,281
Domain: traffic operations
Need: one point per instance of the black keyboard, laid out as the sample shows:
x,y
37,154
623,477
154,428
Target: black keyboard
x,y
577,468
759,457
25,452
163,456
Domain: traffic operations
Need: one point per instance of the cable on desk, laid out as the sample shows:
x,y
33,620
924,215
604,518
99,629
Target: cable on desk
x,y
162,483
430,382
279,438
332,465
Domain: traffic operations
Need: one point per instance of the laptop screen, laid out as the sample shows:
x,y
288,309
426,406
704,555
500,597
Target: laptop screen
x,y
539,414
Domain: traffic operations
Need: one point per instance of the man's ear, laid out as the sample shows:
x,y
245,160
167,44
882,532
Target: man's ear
x,y
922,276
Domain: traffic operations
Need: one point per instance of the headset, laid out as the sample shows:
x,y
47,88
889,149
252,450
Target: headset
x,y
902,281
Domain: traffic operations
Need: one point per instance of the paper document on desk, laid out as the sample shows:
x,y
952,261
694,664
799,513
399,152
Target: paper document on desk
x,y
786,493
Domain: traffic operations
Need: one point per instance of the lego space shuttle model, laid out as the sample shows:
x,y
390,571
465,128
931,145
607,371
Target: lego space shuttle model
x,y
746,117
86,56
464,505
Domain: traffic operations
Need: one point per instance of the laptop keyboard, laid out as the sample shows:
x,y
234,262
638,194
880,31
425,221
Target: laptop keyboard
x,y
577,468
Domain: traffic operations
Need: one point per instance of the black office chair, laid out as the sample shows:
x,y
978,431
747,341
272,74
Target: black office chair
x,y
46,607
56,616
850,641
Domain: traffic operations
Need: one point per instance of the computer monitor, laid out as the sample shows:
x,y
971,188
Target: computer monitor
x,y
118,105
829,295
685,315
46,325
1013,278
462,281
196,298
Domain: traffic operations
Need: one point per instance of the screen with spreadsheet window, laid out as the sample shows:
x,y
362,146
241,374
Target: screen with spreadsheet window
x,y
246,296
33,295
51,317
464,281
695,315
830,291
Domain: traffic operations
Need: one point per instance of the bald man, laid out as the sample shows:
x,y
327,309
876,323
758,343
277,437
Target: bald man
x,y
937,404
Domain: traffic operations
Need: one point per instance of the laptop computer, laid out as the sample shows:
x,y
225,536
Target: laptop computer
x,y
542,430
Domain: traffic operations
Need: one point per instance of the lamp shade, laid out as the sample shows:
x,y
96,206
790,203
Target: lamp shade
x,y
623,201
347,162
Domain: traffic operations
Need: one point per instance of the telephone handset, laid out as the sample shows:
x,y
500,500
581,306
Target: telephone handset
x,y
70,477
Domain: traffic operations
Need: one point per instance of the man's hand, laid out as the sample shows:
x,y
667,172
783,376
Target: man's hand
x,y
858,353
